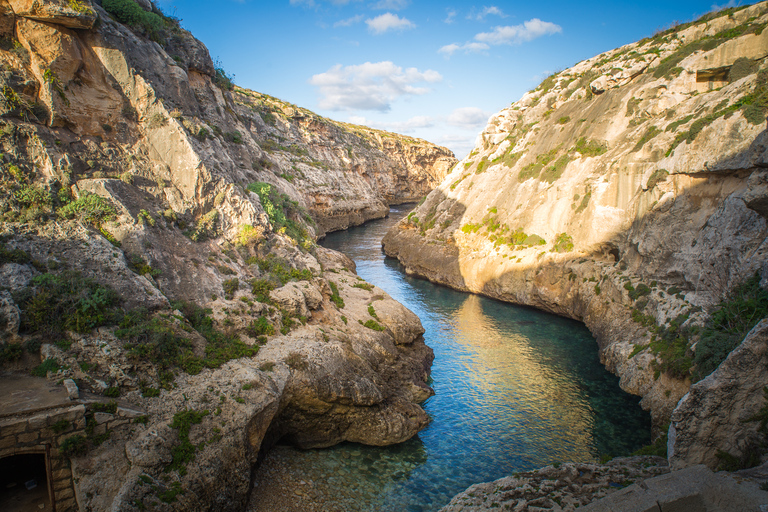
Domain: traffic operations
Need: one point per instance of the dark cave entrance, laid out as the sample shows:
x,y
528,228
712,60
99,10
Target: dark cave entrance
x,y
24,482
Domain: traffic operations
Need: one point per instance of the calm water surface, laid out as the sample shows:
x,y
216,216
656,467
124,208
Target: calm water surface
x,y
516,389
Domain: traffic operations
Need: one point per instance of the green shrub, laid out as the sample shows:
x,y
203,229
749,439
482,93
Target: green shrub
x,y
563,243
90,208
363,286
112,392
590,148
60,426
54,303
553,173
129,13
727,326
230,287
372,324
285,215
260,327
49,365
659,446
658,176
641,291
260,288
184,452
74,446
647,136
742,67
10,352
335,297
14,256
223,79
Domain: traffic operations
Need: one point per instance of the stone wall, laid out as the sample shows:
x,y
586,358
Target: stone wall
x,y
44,431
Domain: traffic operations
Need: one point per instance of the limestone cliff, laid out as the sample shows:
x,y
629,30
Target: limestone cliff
x,y
346,174
627,192
158,248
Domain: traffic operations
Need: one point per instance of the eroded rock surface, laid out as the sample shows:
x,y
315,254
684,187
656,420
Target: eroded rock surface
x,y
158,248
626,192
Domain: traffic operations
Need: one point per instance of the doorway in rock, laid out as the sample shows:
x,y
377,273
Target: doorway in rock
x,y
24,483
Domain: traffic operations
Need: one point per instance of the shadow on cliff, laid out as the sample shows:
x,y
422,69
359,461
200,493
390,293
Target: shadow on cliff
x,y
691,238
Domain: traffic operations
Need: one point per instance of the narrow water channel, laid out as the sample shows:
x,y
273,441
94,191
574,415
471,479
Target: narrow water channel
x,y
516,389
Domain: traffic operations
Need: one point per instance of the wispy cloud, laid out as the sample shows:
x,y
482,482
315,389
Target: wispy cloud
x,y
450,16
387,22
349,21
732,3
470,47
408,126
487,11
370,86
390,5
517,34
468,117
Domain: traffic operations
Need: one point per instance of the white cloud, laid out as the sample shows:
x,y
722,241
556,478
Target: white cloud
x,y
516,34
731,3
461,145
370,86
450,16
349,21
388,21
492,10
470,47
468,117
390,5
408,126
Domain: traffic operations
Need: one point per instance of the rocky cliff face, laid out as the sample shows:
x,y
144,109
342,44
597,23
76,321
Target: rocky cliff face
x,y
346,174
158,246
627,192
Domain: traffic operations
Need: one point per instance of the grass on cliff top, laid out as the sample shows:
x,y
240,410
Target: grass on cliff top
x,y
153,24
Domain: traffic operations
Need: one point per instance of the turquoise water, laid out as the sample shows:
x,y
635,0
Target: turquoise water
x,y
516,389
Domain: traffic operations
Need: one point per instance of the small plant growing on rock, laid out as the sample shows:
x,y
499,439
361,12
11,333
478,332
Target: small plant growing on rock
x,y
74,446
335,297
296,361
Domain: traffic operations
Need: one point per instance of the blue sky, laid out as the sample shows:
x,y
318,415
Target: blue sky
x,y
434,70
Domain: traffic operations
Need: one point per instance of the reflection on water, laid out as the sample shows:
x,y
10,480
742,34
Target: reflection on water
x,y
515,389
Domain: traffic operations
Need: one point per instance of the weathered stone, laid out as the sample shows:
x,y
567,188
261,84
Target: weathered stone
x,y
103,417
291,298
72,390
28,438
7,20
569,485
719,412
77,14
694,489
10,317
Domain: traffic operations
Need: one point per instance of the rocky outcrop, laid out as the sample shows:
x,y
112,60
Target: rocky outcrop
x,y
724,415
346,174
157,246
624,192
564,487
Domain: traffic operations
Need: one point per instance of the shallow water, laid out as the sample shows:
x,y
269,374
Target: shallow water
x,y
516,389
